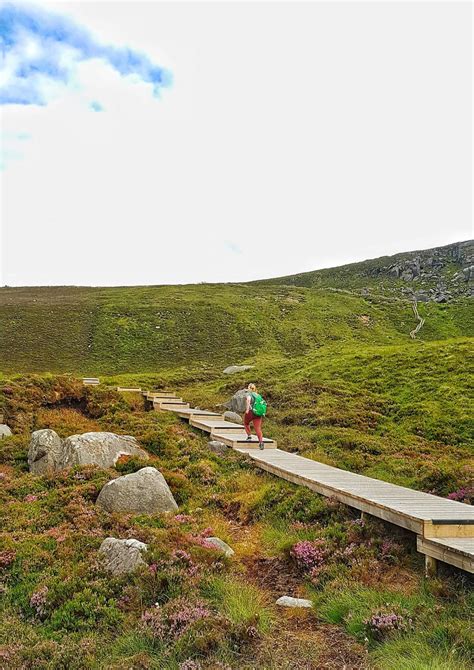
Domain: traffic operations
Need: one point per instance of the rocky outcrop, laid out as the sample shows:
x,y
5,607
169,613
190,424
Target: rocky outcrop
x,y
102,449
142,492
5,430
233,369
121,557
45,452
48,452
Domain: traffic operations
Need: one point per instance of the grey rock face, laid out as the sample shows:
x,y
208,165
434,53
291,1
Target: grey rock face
x,y
220,544
233,416
45,452
122,556
238,402
287,601
217,447
5,430
232,369
145,491
102,449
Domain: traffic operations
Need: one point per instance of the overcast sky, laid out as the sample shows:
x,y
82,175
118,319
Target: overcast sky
x,y
148,143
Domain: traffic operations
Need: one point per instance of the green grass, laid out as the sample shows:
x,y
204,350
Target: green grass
x,y
244,604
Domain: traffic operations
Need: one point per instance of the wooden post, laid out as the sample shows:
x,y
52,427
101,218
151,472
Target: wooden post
x,y
431,566
364,516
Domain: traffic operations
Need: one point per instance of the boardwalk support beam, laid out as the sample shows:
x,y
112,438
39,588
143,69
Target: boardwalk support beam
x,y
431,566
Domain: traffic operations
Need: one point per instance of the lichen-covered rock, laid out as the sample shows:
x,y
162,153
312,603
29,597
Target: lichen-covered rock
x,y
145,491
102,449
233,369
122,556
5,430
221,545
233,416
45,452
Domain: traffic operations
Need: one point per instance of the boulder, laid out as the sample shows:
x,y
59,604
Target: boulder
x,y
233,416
48,452
45,452
217,447
102,449
143,492
5,430
238,402
233,369
287,601
122,556
221,545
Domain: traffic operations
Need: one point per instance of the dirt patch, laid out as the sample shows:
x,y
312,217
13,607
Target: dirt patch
x,y
274,575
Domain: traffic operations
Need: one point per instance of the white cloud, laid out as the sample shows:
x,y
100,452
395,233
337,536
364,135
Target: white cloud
x,y
303,135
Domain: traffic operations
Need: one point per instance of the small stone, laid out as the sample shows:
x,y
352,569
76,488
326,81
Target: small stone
x,y
220,544
233,416
287,601
217,447
5,430
122,556
233,369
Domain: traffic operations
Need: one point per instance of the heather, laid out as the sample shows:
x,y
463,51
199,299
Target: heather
x,y
190,606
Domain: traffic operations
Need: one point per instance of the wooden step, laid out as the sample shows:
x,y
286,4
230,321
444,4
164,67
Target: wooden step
x,y
123,389
213,425
90,381
239,440
168,399
457,551
160,394
192,412
169,406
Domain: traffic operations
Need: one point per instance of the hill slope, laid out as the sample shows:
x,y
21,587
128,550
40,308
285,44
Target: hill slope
x,y
117,330
438,274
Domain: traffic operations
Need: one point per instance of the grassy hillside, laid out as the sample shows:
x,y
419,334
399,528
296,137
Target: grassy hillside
x,y
125,330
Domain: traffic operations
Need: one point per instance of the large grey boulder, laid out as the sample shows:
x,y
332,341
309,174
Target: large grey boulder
x,y
102,449
122,556
48,452
145,491
233,369
238,402
233,416
5,430
221,545
45,452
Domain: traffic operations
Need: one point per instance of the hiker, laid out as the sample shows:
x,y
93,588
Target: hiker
x,y
254,413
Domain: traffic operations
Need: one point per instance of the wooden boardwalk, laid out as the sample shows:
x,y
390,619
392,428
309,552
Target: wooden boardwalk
x,y
444,528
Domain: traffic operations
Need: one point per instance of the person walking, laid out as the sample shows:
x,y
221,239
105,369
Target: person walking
x,y
254,413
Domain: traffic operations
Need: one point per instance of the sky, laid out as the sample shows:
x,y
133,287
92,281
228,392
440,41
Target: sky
x,y
153,142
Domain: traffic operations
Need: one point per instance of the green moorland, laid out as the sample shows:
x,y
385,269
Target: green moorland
x,y
346,385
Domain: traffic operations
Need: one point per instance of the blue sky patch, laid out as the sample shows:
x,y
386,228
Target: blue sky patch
x,y
33,43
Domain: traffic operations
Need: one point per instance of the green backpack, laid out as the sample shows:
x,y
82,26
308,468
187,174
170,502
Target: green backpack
x,y
259,407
